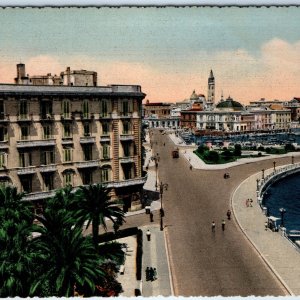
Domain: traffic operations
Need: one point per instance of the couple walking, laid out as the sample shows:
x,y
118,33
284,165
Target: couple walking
x,y
213,225
151,274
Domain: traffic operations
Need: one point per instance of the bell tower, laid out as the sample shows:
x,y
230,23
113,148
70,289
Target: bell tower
x,y
211,89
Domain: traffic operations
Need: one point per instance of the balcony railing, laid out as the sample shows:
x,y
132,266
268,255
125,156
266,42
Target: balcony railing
x,y
4,144
105,115
4,118
87,116
87,140
126,137
124,160
38,196
25,118
46,117
48,168
88,164
126,114
127,182
67,117
67,141
26,170
104,138
35,143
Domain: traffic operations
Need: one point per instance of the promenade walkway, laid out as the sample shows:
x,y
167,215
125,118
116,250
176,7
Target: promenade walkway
x,y
277,251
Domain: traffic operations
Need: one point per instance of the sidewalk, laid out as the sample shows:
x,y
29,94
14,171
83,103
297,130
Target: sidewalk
x,y
277,251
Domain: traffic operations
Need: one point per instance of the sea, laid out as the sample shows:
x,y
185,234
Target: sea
x,y
285,193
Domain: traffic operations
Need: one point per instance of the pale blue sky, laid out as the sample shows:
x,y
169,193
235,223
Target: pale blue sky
x,y
170,40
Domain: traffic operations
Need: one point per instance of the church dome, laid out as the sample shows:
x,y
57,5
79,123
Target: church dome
x,y
229,103
194,96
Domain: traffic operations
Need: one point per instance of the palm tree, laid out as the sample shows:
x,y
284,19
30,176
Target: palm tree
x,y
96,205
66,258
15,255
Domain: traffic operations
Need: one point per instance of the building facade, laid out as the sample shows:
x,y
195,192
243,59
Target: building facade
x,y
54,136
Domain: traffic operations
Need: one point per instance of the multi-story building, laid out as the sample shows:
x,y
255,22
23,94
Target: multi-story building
x,y
53,136
159,115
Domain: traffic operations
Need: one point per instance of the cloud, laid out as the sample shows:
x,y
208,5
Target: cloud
x,y
272,72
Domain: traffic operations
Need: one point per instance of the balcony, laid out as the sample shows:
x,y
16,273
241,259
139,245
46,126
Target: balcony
x,y
4,144
67,141
48,168
25,118
87,140
87,116
67,117
126,137
126,114
105,138
38,196
26,170
46,117
126,160
105,158
105,116
36,143
88,164
128,182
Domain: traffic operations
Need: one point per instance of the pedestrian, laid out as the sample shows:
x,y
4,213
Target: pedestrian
x,y
164,144
154,274
247,202
266,225
251,202
228,214
151,274
223,225
191,168
213,226
151,216
147,274
148,233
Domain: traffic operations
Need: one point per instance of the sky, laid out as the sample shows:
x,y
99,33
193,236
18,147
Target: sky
x,y
253,52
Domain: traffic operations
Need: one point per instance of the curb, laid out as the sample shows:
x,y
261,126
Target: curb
x,y
253,244
168,259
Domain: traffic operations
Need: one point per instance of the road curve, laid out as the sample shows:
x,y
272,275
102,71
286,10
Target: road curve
x,y
205,263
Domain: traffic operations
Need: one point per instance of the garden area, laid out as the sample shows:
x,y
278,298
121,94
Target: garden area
x,y
49,255
227,155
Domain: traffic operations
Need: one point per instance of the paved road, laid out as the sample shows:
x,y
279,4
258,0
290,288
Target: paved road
x,y
203,263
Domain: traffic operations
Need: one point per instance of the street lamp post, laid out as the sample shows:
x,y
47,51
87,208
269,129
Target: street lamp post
x,y
263,174
162,187
282,212
274,165
257,184
155,158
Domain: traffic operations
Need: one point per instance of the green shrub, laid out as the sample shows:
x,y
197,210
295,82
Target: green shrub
x,y
212,156
289,147
268,150
202,148
261,148
237,150
259,154
227,154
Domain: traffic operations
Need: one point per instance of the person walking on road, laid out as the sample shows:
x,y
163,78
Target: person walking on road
x,y
148,233
151,216
213,226
223,225
228,214
266,225
154,274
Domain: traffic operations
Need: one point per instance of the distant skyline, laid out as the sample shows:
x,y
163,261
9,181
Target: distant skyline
x,y
253,52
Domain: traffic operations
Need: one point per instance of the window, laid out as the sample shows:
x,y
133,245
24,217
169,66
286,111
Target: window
x,y
3,160
105,128
26,182
125,108
85,108
66,109
25,132
47,132
105,108
2,110
47,157
87,177
127,170
105,174
23,109
48,182
46,109
67,131
68,178
126,149
87,152
25,159
105,151
3,134
86,129
68,154
126,127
